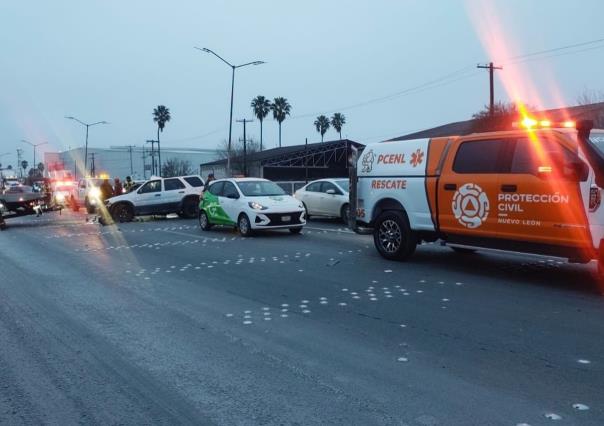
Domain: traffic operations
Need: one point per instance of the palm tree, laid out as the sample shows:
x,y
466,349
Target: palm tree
x,y
261,107
161,115
281,109
337,121
322,124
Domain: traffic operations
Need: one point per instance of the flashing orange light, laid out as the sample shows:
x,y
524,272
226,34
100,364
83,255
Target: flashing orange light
x,y
529,123
544,169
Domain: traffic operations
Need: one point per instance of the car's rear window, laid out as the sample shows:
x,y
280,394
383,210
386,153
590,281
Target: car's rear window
x,y
194,181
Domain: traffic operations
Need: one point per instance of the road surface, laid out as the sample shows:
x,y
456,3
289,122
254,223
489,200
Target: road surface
x,y
157,322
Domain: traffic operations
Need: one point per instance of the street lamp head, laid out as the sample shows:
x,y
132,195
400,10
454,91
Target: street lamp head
x,y
258,62
70,117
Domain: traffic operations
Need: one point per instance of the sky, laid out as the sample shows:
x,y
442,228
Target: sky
x,y
116,60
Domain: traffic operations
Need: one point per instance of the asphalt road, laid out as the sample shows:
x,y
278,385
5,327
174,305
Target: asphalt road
x,y
160,323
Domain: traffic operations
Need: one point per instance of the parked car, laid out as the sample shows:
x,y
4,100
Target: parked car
x,y
326,197
159,196
250,204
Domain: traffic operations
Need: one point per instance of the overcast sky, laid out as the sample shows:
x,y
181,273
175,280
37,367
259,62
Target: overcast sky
x,y
116,60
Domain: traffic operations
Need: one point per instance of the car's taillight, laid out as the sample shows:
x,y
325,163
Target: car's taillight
x,y
595,198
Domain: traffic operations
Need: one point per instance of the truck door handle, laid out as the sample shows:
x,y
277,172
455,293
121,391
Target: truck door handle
x,y
158,195
181,192
450,187
509,188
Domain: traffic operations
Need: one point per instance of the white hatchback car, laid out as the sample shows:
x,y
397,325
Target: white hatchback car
x,y
326,197
250,204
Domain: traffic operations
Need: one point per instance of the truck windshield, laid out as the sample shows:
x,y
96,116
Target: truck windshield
x,y
597,139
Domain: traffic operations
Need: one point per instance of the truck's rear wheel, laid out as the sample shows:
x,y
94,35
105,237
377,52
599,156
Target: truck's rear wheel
x,y
393,236
90,209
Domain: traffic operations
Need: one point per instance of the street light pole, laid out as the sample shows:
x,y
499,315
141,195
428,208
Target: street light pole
x,y
35,145
88,125
233,68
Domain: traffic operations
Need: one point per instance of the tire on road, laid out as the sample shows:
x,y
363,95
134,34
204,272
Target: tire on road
x,y
295,229
345,213
204,221
190,208
90,209
244,225
306,215
393,236
122,213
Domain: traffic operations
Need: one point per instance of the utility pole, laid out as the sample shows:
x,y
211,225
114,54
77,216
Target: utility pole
x,y
244,121
153,170
130,151
491,69
19,154
92,168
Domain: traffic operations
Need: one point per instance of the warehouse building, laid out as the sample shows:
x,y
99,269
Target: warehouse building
x,y
138,162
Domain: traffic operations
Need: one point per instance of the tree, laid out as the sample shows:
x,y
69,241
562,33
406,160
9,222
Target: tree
x,y
322,124
590,96
41,168
504,114
175,167
281,109
337,121
237,153
161,115
261,107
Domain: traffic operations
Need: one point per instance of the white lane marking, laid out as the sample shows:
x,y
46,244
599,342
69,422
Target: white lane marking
x,y
580,407
584,361
402,359
553,416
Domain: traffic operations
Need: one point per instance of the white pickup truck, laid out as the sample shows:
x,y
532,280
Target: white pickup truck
x,y
159,196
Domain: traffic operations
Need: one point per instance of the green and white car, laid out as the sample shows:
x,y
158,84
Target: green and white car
x,y
250,204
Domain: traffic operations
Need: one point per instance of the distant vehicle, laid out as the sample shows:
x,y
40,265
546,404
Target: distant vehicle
x,y
88,194
326,197
63,192
250,204
22,199
159,196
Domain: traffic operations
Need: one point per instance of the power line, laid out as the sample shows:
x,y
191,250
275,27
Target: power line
x,y
556,49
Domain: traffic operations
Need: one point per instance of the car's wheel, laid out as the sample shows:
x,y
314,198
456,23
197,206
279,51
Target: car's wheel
x,y
244,225
190,208
204,221
295,230
345,213
393,236
123,213
89,208
463,250
306,215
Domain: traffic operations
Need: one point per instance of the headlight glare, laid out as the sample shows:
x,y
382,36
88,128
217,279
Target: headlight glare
x,y
256,206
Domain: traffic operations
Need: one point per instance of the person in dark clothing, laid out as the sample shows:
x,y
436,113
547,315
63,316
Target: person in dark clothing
x,y
129,184
106,190
117,187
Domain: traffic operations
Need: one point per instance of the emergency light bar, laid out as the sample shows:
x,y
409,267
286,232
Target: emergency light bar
x,y
531,123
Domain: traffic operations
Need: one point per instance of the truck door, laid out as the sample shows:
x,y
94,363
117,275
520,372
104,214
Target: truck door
x,y
542,200
468,188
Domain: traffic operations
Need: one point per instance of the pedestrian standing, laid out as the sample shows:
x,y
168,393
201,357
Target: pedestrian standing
x,y
117,187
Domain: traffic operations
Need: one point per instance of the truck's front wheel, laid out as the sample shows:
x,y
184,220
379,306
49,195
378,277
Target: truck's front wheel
x,y
393,236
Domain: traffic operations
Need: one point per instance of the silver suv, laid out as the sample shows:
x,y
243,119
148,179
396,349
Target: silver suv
x,y
159,196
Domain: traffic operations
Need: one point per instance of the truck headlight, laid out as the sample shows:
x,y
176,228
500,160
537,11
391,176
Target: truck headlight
x,y
256,206
94,193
